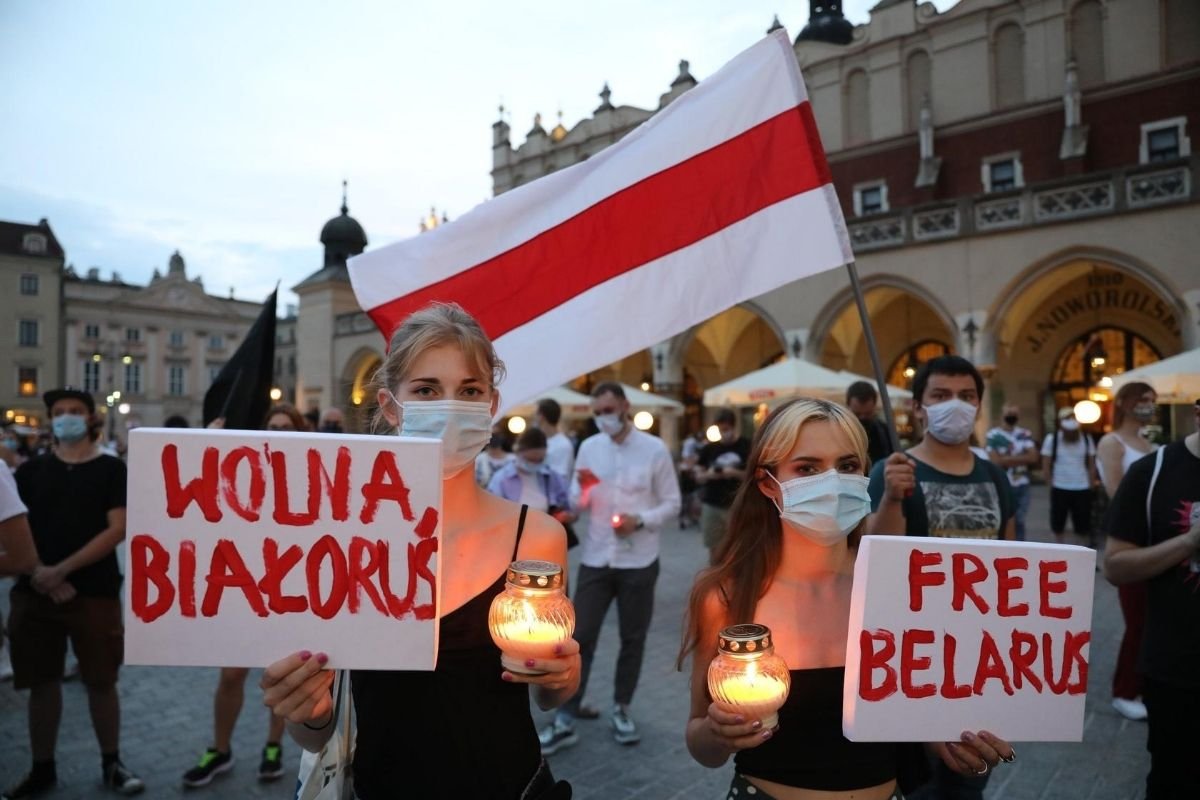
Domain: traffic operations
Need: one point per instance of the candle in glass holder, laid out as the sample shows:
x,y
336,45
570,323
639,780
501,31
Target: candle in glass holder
x,y
531,616
747,677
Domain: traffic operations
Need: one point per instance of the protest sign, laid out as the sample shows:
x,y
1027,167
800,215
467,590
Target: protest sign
x,y
243,547
953,635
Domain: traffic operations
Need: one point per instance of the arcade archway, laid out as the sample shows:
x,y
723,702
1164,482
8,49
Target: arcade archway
x,y
356,397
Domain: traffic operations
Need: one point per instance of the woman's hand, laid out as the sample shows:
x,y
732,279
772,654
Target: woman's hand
x,y
975,754
561,672
297,687
217,424
734,732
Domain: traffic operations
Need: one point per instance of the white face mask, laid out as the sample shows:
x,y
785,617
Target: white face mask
x,y
951,421
1070,424
611,424
464,428
826,507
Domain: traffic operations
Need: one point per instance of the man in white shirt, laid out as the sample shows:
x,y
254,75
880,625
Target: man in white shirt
x,y
1069,464
626,480
560,452
1015,449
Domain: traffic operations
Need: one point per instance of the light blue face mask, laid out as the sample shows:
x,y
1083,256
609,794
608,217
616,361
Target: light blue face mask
x,y
69,427
825,507
610,424
463,427
527,466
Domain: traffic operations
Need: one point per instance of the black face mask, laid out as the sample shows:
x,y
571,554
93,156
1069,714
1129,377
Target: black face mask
x,y
331,427
1011,419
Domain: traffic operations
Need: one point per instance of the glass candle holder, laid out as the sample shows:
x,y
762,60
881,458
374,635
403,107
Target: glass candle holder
x,y
747,677
531,616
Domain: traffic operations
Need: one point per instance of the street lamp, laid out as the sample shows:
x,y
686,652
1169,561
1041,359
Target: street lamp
x,y
276,394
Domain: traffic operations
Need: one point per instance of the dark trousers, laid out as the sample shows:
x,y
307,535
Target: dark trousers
x,y
1174,768
1127,684
595,589
1077,502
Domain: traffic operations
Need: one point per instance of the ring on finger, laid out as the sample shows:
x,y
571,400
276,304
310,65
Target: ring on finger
x,y
1012,756
983,771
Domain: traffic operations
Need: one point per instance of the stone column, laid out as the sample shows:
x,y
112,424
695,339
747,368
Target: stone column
x,y
795,343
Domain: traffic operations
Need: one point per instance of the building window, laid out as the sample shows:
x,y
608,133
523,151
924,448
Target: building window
x,y
870,198
29,283
216,341
175,380
1087,42
133,334
1164,140
858,108
176,339
27,333
91,376
91,331
34,244
133,378
1008,65
1002,173
27,381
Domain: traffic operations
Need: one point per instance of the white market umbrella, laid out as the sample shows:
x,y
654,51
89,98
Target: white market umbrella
x,y
1175,379
792,377
574,404
648,401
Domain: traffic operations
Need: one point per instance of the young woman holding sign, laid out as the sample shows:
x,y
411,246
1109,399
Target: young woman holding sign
x,y
787,563
465,729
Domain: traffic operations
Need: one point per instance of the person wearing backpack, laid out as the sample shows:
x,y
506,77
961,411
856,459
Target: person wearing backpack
x,y
1153,527
1069,465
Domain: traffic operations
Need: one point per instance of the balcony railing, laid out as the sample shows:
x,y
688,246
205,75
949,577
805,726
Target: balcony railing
x,y
1066,200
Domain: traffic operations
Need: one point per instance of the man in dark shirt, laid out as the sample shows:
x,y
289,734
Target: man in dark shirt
x,y
1153,525
721,469
861,398
76,501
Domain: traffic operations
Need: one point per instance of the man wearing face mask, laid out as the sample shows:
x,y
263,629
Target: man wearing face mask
x,y
626,480
941,487
722,469
1014,448
76,500
1069,464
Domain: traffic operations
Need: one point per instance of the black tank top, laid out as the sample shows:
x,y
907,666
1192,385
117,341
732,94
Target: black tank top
x,y
809,750
459,731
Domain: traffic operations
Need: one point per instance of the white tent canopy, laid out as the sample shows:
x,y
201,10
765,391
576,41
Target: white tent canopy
x,y
789,378
1175,379
576,404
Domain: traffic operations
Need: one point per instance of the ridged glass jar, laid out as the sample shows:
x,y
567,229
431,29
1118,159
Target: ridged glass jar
x,y
531,616
747,677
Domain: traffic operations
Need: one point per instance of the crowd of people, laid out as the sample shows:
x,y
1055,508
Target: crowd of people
x,y
780,512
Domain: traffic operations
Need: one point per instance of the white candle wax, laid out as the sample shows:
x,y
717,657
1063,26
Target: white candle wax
x,y
755,696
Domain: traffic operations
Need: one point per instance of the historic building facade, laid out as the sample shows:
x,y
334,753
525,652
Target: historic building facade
x,y
31,266
148,352
1019,186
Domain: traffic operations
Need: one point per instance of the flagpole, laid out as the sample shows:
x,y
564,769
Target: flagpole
x,y
876,365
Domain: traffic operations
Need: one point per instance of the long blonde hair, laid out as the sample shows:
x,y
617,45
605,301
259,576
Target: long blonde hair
x,y
747,556
435,325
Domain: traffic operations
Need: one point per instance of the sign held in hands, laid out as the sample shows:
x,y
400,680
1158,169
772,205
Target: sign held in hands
x,y
243,547
953,635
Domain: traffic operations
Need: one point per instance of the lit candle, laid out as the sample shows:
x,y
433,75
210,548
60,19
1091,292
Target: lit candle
x,y
531,616
747,677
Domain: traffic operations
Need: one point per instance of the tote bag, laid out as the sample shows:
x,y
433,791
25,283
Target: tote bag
x,y
327,775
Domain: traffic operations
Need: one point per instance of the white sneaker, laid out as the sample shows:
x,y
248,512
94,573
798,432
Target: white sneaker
x,y
624,728
1130,709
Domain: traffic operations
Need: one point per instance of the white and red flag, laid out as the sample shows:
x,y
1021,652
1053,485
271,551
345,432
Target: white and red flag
x,y
720,197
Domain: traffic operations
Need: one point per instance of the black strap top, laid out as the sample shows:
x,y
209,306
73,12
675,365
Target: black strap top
x,y
459,731
809,750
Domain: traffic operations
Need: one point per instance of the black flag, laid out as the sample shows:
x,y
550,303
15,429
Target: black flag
x,y
241,392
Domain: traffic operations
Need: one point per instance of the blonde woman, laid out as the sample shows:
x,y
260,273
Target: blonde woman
x,y
465,729
786,562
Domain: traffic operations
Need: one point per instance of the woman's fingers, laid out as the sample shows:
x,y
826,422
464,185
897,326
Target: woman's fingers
x,y
966,760
279,681
1003,749
297,705
982,748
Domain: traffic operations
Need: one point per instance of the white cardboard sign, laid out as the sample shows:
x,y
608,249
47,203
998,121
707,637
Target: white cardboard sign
x,y
953,635
243,547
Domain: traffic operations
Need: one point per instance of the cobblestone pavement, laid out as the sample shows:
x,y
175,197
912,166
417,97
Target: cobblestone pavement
x,y
167,721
